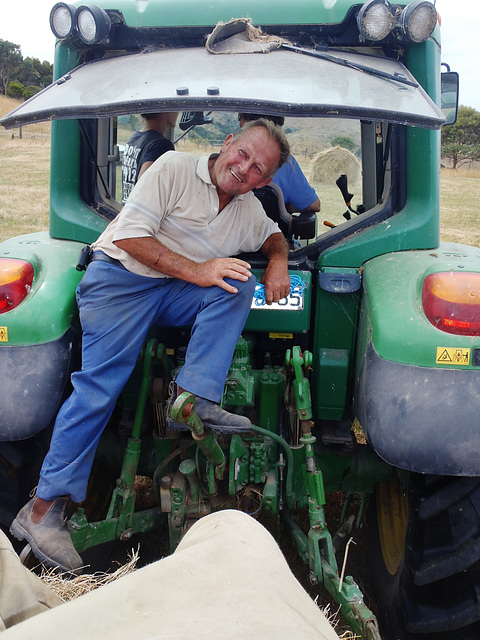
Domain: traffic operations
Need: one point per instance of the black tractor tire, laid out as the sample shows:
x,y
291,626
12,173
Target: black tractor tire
x,y
424,547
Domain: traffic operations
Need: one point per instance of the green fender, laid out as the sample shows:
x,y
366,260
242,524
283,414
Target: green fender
x,y
417,413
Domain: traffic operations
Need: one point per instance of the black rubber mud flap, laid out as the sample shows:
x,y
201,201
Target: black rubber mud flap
x,y
421,419
33,380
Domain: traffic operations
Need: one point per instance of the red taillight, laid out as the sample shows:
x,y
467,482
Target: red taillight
x,y
451,301
16,277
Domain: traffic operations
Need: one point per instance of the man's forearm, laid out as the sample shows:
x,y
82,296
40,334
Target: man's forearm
x,y
153,254
276,278
275,247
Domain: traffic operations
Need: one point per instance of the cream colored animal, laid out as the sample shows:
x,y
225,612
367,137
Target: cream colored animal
x,y
227,579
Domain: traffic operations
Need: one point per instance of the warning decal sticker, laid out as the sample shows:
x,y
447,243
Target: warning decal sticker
x,y
3,334
452,355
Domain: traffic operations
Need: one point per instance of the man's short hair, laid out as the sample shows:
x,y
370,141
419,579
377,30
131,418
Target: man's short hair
x,y
248,117
275,132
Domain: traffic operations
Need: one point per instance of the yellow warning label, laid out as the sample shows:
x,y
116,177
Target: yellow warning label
x,y
3,334
280,336
452,355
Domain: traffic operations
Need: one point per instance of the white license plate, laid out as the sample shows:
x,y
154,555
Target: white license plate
x,y
293,302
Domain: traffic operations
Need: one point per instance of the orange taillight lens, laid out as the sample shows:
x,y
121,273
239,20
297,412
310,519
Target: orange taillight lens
x,y
451,301
16,278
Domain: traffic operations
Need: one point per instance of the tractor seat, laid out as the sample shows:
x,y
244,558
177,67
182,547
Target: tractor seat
x,y
302,225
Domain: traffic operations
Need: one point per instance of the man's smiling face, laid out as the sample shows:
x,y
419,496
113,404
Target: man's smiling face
x,y
246,163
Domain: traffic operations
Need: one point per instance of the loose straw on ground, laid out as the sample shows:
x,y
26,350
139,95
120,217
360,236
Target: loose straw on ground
x,y
68,588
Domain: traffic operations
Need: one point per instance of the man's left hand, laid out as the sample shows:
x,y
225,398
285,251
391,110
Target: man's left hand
x,y
275,277
276,281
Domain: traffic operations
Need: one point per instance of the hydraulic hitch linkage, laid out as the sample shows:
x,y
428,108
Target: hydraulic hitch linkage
x,y
185,495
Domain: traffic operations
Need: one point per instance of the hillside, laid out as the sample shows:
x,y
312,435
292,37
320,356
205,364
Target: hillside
x,y
307,136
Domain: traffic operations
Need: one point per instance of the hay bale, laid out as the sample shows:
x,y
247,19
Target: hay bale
x,y
328,165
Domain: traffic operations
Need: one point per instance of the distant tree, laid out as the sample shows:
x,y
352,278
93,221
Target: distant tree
x,y
15,90
461,141
10,59
34,73
26,72
46,73
344,142
30,91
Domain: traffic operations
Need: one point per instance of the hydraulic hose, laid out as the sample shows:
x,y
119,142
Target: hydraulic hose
x,y
288,451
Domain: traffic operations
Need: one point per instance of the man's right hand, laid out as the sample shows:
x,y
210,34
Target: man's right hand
x,y
213,272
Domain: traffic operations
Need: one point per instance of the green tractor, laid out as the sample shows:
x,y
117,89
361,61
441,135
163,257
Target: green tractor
x,y
364,381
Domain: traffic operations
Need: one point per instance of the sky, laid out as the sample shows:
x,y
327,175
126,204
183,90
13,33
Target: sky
x,y
26,23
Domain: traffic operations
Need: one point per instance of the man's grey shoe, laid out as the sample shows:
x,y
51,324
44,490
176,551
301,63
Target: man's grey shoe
x,y
213,417
219,420
49,540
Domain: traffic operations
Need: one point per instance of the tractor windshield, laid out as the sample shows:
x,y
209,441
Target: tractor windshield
x,y
287,82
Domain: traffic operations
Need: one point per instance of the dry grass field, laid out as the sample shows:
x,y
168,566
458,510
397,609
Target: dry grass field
x,y
460,199
25,174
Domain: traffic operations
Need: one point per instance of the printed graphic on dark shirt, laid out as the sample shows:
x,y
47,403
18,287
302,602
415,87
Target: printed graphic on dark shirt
x,y
129,169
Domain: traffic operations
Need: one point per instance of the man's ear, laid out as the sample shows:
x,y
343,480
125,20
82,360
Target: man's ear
x,y
227,142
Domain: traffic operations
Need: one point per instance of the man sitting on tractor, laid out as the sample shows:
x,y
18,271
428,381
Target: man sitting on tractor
x,y
163,261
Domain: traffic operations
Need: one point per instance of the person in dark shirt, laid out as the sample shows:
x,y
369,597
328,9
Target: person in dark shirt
x,y
144,147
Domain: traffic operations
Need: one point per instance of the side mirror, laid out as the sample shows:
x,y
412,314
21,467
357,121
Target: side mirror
x,y
191,119
449,96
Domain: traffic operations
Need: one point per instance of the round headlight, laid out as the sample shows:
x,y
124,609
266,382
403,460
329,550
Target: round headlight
x,y
375,20
418,20
93,24
62,20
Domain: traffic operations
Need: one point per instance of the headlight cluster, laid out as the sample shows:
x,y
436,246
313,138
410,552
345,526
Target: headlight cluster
x,y
90,23
378,18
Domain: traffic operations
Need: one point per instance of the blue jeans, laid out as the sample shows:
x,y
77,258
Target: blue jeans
x,y
117,308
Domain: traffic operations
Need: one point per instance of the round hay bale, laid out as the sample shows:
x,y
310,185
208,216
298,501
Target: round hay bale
x,y
328,165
